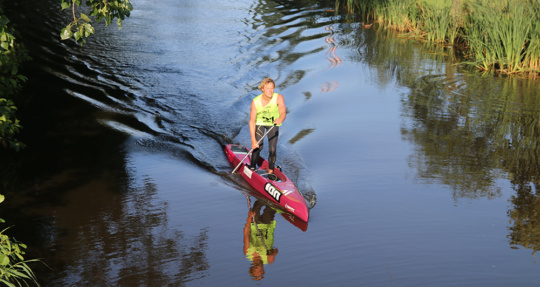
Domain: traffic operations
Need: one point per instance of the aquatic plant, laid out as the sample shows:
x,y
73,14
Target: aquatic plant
x,y
501,35
497,35
440,21
362,8
397,15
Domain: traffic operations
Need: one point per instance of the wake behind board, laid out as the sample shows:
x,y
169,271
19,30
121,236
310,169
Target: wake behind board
x,y
282,191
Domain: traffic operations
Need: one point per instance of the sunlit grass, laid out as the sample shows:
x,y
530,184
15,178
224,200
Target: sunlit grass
x,y
499,35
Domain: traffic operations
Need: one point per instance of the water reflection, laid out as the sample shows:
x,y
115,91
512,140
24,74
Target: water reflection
x,y
108,238
300,135
329,87
335,61
468,140
450,146
331,53
525,217
259,233
393,59
259,237
467,131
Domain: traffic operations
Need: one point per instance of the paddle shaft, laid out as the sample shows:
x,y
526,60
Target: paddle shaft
x,y
252,149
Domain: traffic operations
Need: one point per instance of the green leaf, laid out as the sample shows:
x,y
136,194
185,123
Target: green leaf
x,y
85,18
4,260
88,30
66,33
2,198
77,35
7,283
65,5
18,274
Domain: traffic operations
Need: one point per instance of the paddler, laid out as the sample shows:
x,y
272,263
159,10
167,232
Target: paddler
x,y
267,110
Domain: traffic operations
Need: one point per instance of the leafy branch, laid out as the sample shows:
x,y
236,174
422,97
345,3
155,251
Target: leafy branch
x,y
100,9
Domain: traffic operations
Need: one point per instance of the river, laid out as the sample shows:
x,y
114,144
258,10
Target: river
x,y
421,172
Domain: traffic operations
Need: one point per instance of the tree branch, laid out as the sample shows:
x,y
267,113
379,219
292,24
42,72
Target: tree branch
x,y
73,9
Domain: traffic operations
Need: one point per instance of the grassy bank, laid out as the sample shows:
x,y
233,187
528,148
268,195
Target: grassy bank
x,y
495,35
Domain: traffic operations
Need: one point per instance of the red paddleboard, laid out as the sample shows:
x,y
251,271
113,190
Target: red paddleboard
x,y
282,191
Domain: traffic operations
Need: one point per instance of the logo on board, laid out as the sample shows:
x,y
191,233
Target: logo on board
x,y
272,191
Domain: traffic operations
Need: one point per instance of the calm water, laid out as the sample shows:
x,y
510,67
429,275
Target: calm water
x,y
423,174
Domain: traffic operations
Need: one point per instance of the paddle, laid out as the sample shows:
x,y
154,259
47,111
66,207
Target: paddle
x,y
252,149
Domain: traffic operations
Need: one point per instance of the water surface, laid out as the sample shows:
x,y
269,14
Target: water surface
x,y
423,173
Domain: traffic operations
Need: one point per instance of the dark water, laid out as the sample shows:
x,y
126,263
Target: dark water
x,y
423,174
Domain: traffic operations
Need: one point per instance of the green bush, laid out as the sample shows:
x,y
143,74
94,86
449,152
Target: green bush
x,y
14,270
12,56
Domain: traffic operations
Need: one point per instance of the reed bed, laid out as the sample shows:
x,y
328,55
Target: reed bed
x,y
495,35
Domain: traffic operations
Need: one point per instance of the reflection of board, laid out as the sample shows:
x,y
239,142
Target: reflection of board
x,y
281,191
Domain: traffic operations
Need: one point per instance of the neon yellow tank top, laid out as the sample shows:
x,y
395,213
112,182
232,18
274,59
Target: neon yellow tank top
x,y
267,114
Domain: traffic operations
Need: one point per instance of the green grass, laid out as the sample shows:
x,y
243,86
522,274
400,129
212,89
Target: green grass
x,y
498,35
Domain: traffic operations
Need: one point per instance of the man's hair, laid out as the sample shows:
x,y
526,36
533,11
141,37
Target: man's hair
x,y
266,81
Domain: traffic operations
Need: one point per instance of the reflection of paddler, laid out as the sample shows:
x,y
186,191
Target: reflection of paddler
x,y
259,238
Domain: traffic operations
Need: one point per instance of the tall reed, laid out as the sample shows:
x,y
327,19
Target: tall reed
x,y
363,8
532,53
400,15
501,35
439,21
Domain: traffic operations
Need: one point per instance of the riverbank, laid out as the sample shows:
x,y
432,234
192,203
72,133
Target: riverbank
x,y
498,35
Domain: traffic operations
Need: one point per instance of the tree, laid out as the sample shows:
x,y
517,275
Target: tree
x,y
12,56
100,9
